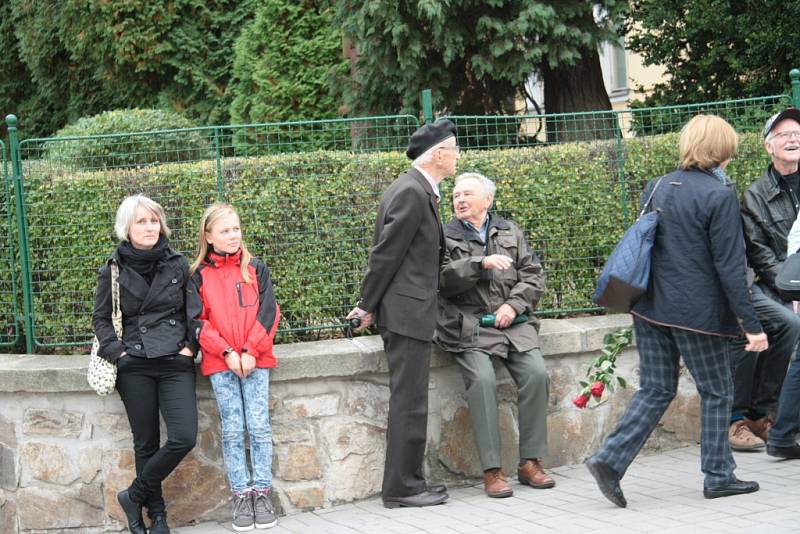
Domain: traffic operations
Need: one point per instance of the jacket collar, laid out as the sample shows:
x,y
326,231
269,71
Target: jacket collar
x,y
772,187
456,230
171,254
221,260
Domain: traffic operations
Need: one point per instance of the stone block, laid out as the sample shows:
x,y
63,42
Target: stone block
x,y
316,406
8,432
78,506
91,463
8,513
357,451
560,337
296,462
290,430
306,497
8,468
114,425
365,399
48,463
596,327
342,439
458,451
196,490
61,423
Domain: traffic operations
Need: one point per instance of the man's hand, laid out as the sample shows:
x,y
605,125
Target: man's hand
x,y
756,342
186,351
234,363
497,261
248,362
366,318
504,315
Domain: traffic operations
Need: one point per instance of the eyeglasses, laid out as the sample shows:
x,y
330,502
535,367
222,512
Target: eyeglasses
x,y
785,136
456,148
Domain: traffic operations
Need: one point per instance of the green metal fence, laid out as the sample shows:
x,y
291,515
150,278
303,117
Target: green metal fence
x,y
308,192
303,189
9,296
572,181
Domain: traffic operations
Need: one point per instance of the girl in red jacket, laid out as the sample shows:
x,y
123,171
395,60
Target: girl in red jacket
x,y
233,318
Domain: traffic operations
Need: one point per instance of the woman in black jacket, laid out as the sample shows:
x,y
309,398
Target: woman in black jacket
x,y
155,365
696,301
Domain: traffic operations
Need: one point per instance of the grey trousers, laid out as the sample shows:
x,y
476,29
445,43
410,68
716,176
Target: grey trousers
x,y
528,371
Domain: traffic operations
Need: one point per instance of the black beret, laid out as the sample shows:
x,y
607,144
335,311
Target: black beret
x,y
429,135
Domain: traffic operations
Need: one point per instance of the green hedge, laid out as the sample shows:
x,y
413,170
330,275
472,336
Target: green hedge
x,y
310,216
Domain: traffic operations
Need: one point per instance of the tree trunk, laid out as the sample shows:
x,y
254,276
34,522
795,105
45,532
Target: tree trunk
x,y
578,88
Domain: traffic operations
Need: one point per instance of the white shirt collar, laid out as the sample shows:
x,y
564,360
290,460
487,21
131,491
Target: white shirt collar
x,y
431,181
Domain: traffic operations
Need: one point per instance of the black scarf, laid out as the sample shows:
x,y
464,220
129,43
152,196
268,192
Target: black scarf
x,y
143,262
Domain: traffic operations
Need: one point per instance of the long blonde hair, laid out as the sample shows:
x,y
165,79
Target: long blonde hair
x,y
213,214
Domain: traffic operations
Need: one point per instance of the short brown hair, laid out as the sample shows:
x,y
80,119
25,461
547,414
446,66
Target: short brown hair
x,y
706,141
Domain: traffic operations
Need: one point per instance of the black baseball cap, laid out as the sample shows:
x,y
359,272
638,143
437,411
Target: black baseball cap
x,y
788,113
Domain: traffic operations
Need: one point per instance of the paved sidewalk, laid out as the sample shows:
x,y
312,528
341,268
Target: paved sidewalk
x,y
664,493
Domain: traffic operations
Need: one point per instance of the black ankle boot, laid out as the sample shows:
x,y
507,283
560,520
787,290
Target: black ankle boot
x,y
159,525
133,512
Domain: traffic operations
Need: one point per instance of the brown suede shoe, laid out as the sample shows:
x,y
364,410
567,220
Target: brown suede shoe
x,y
495,483
742,438
760,427
532,474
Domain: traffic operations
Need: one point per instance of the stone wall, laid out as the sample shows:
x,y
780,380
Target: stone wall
x,y
65,452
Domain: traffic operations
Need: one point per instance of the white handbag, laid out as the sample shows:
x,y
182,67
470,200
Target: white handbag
x,y
102,374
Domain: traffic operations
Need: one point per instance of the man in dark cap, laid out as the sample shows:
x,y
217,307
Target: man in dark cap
x,y
769,207
398,293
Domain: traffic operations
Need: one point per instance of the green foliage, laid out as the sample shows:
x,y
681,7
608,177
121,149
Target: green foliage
x,y
475,56
286,60
310,216
71,59
716,49
108,148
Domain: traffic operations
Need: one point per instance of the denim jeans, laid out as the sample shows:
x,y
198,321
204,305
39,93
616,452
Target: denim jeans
x,y
787,424
244,403
758,377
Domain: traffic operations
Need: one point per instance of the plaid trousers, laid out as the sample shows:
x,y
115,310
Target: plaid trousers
x,y
708,359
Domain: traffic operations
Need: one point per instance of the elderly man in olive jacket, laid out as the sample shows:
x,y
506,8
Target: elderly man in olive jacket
x,y
489,269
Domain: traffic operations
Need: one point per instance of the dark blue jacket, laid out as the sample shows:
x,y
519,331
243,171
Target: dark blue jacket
x,y
698,275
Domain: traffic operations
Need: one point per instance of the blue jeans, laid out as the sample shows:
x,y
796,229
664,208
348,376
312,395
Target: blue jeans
x,y
245,402
787,424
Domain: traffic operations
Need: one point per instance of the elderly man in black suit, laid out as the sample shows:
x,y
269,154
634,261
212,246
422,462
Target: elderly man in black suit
x,y
398,293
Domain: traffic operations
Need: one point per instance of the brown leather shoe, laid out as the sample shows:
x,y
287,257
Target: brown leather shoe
x,y
742,438
532,474
495,483
760,427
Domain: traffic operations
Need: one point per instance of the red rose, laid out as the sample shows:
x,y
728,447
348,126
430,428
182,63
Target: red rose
x,y
581,400
597,389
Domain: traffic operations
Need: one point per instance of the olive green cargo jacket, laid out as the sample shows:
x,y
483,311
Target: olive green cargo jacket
x,y
466,291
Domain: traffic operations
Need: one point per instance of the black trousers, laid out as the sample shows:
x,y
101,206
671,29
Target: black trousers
x,y
147,387
406,430
758,377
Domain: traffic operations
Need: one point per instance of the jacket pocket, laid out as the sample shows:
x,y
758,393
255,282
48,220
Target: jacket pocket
x,y
415,292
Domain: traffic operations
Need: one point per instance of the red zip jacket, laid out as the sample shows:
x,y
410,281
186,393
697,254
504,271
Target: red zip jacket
x,y
224,311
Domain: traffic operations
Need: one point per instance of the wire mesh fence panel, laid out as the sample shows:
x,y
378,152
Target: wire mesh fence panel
x,y
308,199
288,195
10,296
73,187
573,181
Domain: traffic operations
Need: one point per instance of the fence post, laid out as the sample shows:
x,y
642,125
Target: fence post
x,y
22,228
794,74
427,105
218,156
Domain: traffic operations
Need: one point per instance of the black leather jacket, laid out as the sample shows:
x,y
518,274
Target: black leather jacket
x,y
768,212
153,316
